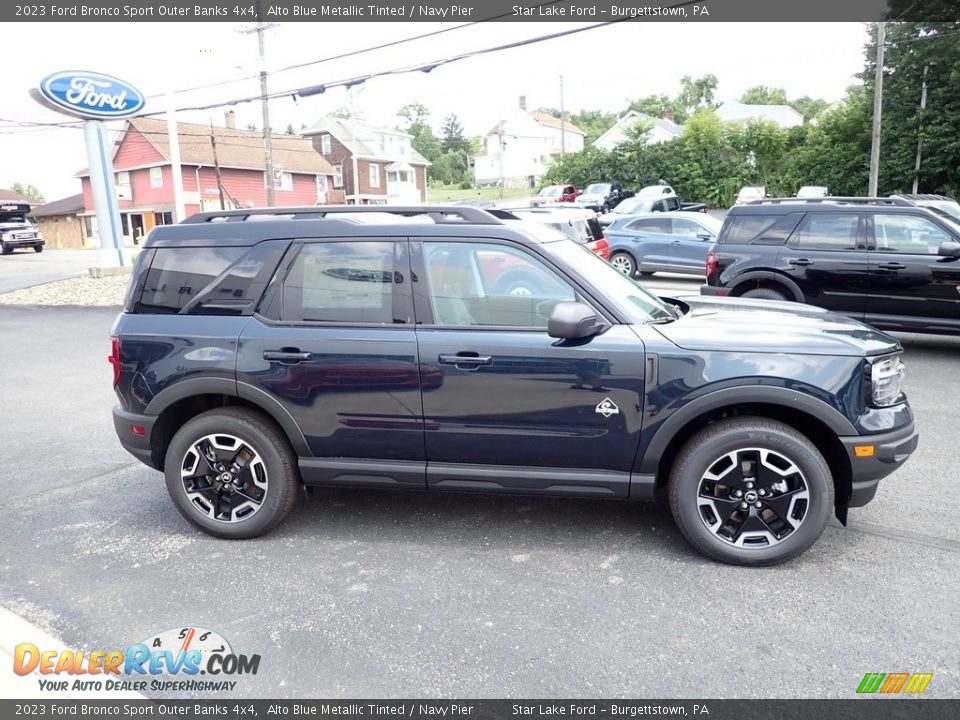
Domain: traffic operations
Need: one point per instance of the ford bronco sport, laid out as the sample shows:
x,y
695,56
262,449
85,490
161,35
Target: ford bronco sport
x,y
371,347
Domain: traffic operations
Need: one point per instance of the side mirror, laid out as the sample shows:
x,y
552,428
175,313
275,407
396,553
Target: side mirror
x,y
573,321
949,249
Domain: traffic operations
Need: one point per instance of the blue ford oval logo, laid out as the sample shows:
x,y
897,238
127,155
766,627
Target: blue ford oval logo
x,y
91,94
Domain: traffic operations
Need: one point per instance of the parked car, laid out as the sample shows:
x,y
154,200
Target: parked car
x,y
649,202
755,421
750,193
601,197
939,204
16,230
555,194
579,224
653,242
884,261
812,191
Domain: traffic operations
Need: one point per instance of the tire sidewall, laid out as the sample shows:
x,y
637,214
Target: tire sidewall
x,y
270,449
626,255
685,488
765,294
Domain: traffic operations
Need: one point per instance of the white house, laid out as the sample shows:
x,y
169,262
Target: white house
x,y
783,116
518,149
661,130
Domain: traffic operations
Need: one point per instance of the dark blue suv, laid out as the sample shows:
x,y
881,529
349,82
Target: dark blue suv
x,y
440,348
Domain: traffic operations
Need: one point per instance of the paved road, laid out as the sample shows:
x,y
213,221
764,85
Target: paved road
x,y
365,593
25,268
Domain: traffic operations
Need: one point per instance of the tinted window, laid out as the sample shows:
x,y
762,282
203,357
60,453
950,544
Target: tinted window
x,y
829,231
672,204
178,275
688,228
350,282
656,225
908,234
476,284
760,229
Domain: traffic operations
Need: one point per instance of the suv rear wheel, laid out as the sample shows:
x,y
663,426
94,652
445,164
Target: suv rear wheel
x,y
231,474
764,294
750,491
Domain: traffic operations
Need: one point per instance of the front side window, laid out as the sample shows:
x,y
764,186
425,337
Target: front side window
x,y
829,231
908,234
484,284
156,177
347,282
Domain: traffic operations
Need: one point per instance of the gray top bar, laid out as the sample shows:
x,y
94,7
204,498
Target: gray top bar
x,y
478,10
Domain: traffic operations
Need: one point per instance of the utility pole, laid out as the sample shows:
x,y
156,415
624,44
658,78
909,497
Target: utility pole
x,y
877,111
923,106
500,155
563,122
261,28
216,166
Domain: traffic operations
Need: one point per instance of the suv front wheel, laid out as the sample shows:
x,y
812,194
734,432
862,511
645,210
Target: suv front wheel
x,y
231,474
751,491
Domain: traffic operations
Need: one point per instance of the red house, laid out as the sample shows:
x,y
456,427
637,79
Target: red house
x,y
144,175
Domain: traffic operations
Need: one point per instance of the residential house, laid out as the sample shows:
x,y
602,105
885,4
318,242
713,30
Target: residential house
x,y
220,167
60,223
10,195
518,149
372,165
738,113
660,129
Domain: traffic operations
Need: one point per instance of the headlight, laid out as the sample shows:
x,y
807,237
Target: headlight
x,y
886,381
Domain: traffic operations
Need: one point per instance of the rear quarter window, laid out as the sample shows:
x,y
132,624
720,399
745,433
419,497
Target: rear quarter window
x,y
177,275
759,229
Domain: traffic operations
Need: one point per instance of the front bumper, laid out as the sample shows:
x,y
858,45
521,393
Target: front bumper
x,y
887,452
137,445
22,243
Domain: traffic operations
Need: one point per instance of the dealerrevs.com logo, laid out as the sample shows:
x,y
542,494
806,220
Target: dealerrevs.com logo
x,y
170,661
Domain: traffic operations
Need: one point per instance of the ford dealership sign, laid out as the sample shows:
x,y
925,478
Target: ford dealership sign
x,y
90,95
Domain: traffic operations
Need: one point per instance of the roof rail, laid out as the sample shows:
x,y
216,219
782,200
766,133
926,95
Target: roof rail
x,y
835,199
440,214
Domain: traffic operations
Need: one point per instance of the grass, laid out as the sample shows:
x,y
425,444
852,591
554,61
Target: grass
x,y
448,193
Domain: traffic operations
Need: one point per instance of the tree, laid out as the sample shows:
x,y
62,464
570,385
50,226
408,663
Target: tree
x,y
28,191
417,123
342,113
290,130
452,135
763,95
655,105
697,93
808,107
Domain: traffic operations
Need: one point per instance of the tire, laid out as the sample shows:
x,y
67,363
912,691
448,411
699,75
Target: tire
x,y
708,472
624,262
765,294
38,248
5,249
519,282
271,475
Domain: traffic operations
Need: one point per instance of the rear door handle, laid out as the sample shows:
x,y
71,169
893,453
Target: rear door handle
x,y
290,356
460,359
800,261
891,266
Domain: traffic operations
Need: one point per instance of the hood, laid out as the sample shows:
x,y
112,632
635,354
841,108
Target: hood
x,y
592,197
739,324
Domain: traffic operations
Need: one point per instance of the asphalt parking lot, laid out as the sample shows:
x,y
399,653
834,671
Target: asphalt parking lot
x,y
25,268
366,594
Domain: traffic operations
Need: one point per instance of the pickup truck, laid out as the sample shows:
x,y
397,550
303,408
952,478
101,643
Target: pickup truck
x,y
601,197
655,198
555,194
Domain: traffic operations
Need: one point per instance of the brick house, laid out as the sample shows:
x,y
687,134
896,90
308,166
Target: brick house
x,y
384,162
144,175
60,223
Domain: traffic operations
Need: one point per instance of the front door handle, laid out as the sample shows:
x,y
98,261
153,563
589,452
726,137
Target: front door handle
x,y
800,261
464,359
288,356
891,266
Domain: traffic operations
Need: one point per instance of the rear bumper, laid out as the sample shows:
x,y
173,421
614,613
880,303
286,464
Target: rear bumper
x,y
889,451
136,445
713,291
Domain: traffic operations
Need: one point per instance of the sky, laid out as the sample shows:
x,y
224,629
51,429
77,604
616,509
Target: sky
x,y
603,68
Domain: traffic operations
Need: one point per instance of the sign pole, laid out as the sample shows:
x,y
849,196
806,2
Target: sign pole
x,y
104,191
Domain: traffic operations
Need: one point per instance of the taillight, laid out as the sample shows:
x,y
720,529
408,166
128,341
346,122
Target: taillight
x,y
114,359
711,264
602,248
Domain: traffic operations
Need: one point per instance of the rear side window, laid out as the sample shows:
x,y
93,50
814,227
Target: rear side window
x,y
178,275
759,229
654,225
829,231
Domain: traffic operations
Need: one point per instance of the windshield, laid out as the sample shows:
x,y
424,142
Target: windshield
x,y
18,218
597,189
640,305
550,191
633,205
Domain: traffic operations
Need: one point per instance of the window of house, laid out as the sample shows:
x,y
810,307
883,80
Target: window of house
x,y
374,175
123,178
351,282
325,145
338,176
392,177
156,177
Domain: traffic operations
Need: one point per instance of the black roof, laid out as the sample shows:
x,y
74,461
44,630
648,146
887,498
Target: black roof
x,y
785,206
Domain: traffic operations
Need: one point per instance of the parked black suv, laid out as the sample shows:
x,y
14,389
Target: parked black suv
x,y
884,261
371,347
